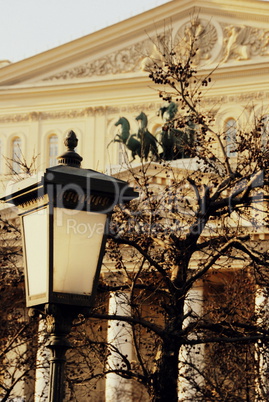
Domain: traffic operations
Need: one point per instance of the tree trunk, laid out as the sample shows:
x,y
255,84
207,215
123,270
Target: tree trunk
x,y
165,383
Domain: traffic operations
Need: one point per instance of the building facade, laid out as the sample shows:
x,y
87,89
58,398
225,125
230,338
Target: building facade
x,y
88,84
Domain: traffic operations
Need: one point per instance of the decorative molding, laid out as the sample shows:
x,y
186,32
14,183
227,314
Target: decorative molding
x,y
231,42
239,98
112,110
15,118
243,42
34,116
206,40
126,60
215,41
141,107
73,114
212,42
54,115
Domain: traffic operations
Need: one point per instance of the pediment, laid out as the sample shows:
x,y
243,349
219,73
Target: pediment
x,y
227,35
218,43
122,61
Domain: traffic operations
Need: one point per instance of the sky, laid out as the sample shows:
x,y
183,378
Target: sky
x,y
29,27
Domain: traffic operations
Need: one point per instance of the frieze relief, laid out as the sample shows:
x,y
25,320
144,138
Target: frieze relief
x,y
215,42
126,60
219,42
211,43
65,114
206,40
242,42
73,114
116,110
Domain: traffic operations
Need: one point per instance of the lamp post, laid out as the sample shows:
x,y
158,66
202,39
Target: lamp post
x,y
65,215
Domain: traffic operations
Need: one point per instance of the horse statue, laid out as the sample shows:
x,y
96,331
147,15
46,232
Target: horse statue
x,y
174,142
148,141
125,138
169,112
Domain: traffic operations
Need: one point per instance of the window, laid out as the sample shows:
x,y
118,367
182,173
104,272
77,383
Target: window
x,y
53,150
230,132
1,157
265,131
121,154
16,155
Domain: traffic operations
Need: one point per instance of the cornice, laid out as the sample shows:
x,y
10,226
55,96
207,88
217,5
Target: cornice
x,y
245,8
76,113
52,115
242,98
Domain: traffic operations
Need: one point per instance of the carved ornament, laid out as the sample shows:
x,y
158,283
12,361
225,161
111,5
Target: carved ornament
x,y
233,42
239,98
199,35
112,110
214,42
211,42
66,114
72,114
242,42
126,60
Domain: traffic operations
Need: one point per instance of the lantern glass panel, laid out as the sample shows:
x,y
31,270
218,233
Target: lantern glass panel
x,y
36,244
77,242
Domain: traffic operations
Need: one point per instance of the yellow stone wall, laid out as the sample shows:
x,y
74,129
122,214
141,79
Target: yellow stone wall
x,y
87,84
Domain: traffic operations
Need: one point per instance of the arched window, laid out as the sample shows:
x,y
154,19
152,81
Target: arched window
x,y
53,150
265,131
230,132
1,156
121,154
16,155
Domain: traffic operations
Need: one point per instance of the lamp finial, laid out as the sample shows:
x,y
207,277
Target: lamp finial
x,y
70,157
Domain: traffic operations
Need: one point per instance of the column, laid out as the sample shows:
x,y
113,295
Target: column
x,y
194,303
119,337
261,352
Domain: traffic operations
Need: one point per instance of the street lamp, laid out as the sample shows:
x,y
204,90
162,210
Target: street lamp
x,y
64,215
